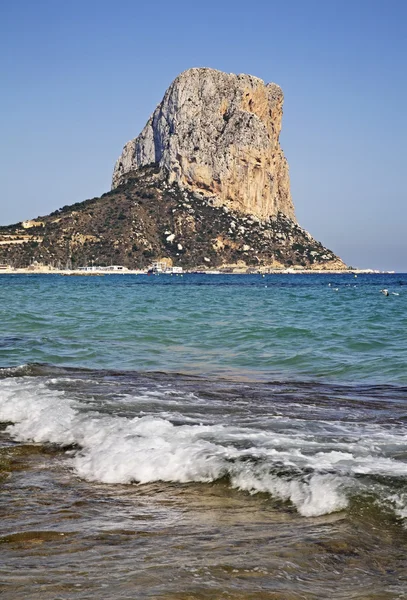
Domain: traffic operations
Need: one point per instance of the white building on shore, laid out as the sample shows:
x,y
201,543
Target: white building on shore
x,y
110,268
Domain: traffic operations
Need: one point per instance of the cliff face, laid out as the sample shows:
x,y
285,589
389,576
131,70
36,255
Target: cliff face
x,y
217,134
204,185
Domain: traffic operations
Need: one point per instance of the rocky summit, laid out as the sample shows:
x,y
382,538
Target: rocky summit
x,y
218,134
205,185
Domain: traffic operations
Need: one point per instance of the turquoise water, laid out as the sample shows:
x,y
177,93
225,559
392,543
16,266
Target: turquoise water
x,y
327,327
203,437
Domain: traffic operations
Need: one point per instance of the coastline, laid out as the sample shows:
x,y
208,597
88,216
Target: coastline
x,y
236,271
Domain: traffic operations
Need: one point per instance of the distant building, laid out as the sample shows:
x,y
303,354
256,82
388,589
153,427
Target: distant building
x,y
110,268
158,267
163,267
113,268
29,224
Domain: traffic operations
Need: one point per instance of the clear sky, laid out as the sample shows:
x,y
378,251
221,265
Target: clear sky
x,y
80,78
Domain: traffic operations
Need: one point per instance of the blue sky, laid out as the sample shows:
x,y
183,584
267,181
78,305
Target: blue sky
x,y
79,79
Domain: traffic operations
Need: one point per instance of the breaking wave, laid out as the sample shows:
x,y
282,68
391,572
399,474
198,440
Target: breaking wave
x,y
317,476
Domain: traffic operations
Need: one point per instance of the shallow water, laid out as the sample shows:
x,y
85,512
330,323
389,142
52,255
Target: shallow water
x,y
203,437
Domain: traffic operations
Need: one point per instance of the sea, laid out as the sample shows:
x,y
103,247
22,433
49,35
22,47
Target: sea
x,y
203,437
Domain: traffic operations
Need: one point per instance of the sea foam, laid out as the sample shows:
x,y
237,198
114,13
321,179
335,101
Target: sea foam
x,y
115,449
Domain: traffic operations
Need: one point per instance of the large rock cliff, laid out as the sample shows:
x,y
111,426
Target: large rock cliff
x,y
205,185
217,134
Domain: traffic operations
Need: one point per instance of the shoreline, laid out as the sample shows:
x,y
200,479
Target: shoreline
x,y
101,272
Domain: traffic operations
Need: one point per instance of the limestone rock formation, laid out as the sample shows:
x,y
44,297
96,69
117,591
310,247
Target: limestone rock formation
x,y
205,185
217,134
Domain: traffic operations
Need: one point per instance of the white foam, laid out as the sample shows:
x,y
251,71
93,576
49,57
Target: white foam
x,y
296,466
39,415
399,503
316,495
148,449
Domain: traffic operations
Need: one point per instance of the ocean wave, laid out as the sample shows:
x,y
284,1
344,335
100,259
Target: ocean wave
x,y
313,496
316,473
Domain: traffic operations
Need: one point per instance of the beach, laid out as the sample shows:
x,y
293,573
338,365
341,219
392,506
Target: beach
x,y
228,270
